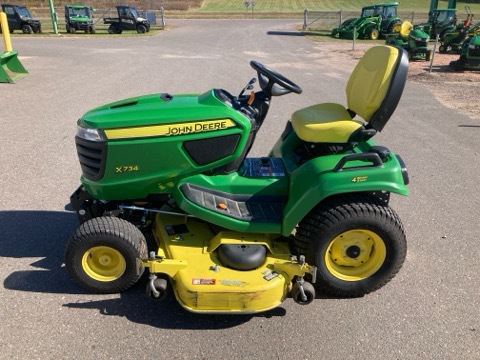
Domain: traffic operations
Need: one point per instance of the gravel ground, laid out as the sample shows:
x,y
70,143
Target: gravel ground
x,y
457,90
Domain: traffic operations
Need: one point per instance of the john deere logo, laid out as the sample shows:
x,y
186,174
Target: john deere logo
x,y
169,129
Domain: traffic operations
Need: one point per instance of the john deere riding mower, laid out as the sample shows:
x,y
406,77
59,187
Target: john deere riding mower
x,y
237,234
374,21
469,56
414,41
453,40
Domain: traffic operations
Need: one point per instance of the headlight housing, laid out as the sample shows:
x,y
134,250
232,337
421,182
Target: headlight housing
x,y
90,134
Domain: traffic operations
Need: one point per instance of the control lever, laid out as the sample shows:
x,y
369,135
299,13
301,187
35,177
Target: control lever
x,y
248,87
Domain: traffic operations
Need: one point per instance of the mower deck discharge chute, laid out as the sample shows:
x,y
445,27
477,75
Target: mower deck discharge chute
x,y
230,233
11,69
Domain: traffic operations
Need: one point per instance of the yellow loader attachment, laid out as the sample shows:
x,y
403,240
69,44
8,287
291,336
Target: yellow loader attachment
x,y
11,69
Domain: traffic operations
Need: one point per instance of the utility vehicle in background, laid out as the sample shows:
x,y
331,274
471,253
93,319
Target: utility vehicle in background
x,y
79,18
19,18
128,19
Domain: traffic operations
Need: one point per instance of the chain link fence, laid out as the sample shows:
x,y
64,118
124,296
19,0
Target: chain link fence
x,y
327,20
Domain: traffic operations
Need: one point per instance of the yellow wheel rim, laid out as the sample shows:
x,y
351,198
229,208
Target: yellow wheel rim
x,y
355,255
103,263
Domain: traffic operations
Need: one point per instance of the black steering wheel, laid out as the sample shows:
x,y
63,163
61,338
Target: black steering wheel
x,y
273,83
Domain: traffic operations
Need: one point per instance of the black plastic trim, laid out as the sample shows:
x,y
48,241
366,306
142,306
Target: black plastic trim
x,y
92,156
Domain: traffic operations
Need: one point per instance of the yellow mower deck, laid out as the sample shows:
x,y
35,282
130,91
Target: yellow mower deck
x,y
202,284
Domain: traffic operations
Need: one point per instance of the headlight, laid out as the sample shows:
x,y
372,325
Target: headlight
x,y
418,39
471,46
90,134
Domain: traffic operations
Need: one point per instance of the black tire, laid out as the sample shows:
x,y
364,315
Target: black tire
x,y
141,29
103,255
356,241
373,34
161,286
309,291
459,65
72,30
112,29
393,25
27,29
92,30
442,49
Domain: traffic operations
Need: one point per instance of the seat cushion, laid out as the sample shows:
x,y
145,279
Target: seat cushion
x,y
324,123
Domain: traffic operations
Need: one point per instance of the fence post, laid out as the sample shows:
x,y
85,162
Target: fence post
x,y
305,16
341,18
162,13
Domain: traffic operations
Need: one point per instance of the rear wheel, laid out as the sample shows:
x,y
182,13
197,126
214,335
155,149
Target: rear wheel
x,y
394,26
357,243
103,255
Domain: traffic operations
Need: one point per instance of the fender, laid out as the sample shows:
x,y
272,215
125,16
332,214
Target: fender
x,y
318,179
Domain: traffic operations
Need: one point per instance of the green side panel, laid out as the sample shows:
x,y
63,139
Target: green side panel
x,y
314,181
237,185
138,166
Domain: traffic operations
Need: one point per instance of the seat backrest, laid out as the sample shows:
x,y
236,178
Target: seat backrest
x,y
406,28
376,84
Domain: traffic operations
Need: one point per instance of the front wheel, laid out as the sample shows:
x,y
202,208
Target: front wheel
x,y
373,34
356,241
103,255
27,29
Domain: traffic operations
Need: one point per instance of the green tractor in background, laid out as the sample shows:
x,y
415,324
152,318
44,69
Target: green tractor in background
x,y
414,41
374,21
440,21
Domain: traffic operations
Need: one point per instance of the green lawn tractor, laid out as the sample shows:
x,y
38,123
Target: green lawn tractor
x,y
414,41
374,21
79,18
469,56
167,186
453,40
